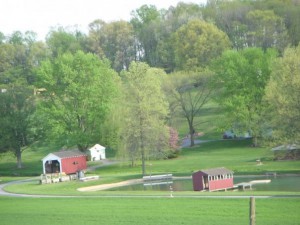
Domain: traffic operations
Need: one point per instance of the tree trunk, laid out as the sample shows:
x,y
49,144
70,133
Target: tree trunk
x,y
19,158
143,162
82,148
192,139
255,141
132,162
192,132
142,146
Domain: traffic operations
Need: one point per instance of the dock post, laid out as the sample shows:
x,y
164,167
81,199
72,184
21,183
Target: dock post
x,y
252,211
171,191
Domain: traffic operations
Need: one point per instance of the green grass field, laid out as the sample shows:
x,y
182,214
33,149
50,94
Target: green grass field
x,y
146,211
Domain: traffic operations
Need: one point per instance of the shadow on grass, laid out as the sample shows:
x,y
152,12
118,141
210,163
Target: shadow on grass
x,y
220,145
28,169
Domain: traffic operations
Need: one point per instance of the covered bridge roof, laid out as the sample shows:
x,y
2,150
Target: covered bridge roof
x,y
217,171
69,154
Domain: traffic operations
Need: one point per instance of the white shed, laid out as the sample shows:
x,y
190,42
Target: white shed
x,y
97,152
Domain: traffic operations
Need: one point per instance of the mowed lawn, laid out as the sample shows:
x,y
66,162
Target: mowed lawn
x,y
237,155
149,210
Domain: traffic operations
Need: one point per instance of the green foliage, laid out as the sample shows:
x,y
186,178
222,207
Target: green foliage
x,y
16,111
115,40
80,90
188,92
266,30
282,92
61,41
172,19
20,55
261,24
145,21
144,133
242,77
197,43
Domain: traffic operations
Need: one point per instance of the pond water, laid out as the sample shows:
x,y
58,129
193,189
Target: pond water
x,y
279,183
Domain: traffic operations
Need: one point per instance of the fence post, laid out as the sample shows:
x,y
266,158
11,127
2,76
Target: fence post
x,y
252,211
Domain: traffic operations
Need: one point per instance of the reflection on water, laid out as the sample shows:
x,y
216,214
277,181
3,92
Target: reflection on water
x,y
279,183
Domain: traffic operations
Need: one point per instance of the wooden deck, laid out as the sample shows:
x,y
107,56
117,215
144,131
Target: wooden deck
x,y
158,177
248,185
243,185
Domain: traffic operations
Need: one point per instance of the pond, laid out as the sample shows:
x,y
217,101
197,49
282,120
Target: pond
x,y
279,183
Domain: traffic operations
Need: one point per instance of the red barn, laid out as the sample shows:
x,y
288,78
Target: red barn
x,y
213,179
67,162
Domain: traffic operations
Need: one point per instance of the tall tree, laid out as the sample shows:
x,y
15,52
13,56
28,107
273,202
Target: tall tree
x,y
95,38
20,56
197,43
116,41
2,38
145,133
283,94
62,40
289,11
172,19
80,91
266,30
242,77
188,92
16,111
145,22
230,17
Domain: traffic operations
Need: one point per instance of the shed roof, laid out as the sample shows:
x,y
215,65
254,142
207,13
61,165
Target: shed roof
x,y
69,154
217,171
97,147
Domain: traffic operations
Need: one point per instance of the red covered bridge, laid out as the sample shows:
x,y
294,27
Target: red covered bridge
x,y
213,179
67,162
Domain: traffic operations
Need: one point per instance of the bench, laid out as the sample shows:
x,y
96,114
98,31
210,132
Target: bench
x,y
89,178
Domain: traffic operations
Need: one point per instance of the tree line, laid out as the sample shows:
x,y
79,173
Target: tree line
x,y
124,82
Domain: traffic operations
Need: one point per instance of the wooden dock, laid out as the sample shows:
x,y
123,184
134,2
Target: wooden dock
x,y
260,181
158,183
248,185
158,177
244,185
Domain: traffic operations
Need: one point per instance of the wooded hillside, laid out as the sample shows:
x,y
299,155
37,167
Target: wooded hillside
x,y
123,82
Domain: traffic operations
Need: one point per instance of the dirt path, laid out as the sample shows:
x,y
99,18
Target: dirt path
x,y
112,185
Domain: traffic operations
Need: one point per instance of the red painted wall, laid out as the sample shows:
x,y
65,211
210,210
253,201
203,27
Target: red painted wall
x,y
197,181
213,184
73,165
220,184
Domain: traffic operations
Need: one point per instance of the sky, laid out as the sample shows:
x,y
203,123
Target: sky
x,y
42,15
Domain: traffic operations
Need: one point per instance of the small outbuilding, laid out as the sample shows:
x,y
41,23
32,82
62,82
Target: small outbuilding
x,y
213,179
68,162
97,152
